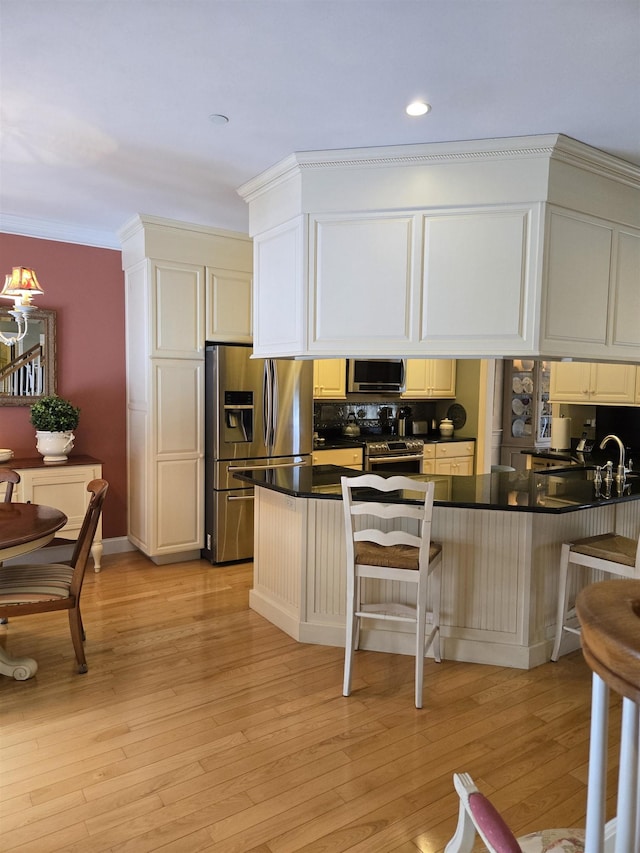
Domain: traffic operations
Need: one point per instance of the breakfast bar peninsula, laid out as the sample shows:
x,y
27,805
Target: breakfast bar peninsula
x,y
501,535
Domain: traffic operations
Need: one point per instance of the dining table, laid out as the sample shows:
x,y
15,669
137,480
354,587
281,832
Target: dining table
x,y
24,527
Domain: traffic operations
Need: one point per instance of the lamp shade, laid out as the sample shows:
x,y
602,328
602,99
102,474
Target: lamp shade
x,y
21,282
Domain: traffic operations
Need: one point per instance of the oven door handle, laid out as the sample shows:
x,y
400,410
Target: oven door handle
x,y
379,460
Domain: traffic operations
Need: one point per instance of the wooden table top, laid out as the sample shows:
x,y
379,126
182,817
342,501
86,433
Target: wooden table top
x,y
21,524
609,614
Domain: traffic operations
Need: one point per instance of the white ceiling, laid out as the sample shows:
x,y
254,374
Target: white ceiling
x,y
105,104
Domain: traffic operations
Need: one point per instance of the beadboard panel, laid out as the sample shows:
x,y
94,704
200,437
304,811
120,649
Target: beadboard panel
x,y
280,534
499,576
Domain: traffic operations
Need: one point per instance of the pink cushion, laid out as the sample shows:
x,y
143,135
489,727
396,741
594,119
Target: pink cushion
x,y
489,820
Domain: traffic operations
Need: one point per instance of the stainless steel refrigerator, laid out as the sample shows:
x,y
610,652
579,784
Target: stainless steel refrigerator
x,y
258,414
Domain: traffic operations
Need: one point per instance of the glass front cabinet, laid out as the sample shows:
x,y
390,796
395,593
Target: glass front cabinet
x,y
526,422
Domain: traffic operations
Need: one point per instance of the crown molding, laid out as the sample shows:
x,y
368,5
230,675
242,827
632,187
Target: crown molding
x,y
45,229
547,146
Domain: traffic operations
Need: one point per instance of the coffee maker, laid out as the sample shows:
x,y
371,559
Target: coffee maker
x,y
405,421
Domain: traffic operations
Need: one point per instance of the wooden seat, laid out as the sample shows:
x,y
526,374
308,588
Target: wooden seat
x,y
397,549
607,552
11,478
477,815
40,588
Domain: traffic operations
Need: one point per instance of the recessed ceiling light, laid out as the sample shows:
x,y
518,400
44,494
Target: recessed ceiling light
x,y
418,108
218,118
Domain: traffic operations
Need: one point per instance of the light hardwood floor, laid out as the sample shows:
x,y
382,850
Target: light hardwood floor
x,y
200,726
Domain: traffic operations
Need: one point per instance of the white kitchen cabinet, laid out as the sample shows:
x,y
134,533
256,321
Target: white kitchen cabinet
x,y
228,300
347,457
63,486
430,378
456,457
330,378
593,287
520,247
583,382
184,284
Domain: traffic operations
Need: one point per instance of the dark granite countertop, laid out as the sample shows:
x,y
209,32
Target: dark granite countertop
x,y
359,441
555,490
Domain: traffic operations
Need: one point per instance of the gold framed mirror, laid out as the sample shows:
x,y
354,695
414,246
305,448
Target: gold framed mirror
x,y
28,368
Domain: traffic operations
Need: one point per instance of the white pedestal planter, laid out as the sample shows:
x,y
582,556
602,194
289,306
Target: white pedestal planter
x,y
54,446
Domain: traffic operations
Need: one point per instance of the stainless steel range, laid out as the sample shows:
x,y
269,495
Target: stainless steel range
x,y
395,455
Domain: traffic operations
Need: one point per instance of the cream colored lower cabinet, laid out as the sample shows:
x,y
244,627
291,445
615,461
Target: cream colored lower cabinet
x,y
430,377
346,457
64,487
583,382
456,458
330,378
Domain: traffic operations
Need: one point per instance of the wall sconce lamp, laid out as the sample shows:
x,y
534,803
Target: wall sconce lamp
x,y
21,285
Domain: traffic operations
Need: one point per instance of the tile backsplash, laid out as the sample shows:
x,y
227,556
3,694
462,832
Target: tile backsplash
x,y
332,415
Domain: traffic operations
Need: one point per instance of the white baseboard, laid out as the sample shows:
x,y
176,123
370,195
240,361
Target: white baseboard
x,y
57,553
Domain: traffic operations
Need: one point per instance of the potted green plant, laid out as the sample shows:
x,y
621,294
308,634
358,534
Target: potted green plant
x,y
54,419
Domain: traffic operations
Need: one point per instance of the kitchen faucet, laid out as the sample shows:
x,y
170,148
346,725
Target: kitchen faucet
x,y
621,472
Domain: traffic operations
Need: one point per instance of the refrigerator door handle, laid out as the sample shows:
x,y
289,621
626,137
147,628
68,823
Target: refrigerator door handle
x,y
266,404
274,401
233,468
239,498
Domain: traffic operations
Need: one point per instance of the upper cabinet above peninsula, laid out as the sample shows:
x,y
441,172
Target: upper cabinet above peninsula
x,y
527,246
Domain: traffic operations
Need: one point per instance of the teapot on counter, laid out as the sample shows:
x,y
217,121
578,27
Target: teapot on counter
x,y
351,427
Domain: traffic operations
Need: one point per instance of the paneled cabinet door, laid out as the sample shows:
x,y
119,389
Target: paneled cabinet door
x,y
613,383
570,382
177,314
461,466
330,378
479,282
228,300
430,378
603,258
578,382
354,257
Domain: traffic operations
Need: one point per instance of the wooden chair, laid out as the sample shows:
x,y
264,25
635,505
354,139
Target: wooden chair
x,y
11,478
40,588
477,815
607,552
390,552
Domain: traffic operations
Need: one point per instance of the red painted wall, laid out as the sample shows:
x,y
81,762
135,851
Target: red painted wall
x,y
85,286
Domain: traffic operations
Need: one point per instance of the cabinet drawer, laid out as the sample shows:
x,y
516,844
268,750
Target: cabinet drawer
x,y
457,448
347,457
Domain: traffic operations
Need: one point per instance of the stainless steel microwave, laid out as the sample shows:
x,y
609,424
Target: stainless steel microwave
x,y
376,375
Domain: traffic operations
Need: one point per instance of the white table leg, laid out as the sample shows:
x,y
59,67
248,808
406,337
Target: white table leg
x,y
628,779
19,668
597,766
96,553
